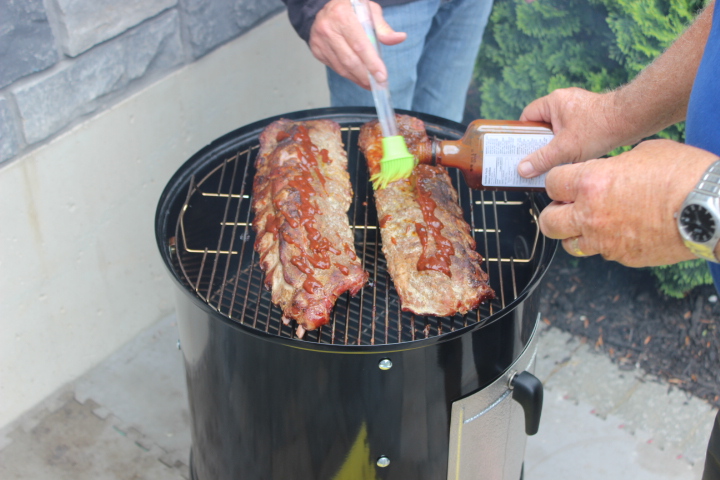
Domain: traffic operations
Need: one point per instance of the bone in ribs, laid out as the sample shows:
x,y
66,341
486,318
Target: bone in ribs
x,y
301,194
429,250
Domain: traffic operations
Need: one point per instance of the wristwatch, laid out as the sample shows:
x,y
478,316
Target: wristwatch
x,y
699,217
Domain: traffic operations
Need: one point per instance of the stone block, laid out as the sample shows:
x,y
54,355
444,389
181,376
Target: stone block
x,y
27,44
154,46
9,141
211,23
52,102
250,12
82,24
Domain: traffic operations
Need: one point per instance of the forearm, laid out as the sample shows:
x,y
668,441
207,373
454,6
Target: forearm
x,y
658,97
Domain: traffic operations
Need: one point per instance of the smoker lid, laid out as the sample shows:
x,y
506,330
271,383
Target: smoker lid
x,y
203,230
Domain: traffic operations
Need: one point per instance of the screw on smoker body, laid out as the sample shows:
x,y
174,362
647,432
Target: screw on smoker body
x,y
383,461
385,364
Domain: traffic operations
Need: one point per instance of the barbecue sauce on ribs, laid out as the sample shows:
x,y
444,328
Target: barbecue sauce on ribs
x,y
428,246
301,194
437,249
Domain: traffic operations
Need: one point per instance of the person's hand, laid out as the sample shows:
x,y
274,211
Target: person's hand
x,y
624,207
585,125
338,40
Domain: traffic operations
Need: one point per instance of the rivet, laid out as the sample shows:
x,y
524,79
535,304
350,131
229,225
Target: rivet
x,y
511,378
385,364
178,345
383,461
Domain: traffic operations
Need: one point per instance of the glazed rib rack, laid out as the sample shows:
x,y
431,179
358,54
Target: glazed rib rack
x,y
212,250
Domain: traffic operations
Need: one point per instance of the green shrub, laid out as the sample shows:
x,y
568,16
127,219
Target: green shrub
x,y
529,50
677,280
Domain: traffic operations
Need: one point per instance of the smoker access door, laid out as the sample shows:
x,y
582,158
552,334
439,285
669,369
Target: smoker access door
x,y
488,429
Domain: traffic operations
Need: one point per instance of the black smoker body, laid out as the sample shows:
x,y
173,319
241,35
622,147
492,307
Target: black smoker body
x,y
428,402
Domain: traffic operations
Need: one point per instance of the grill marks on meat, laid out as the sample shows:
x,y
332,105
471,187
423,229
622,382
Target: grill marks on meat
x,y
428,246
301,194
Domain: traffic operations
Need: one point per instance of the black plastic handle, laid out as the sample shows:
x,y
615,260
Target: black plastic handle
x,y
528,392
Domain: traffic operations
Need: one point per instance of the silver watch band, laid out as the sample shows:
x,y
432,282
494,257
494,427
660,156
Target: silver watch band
x,y
707,191
709,184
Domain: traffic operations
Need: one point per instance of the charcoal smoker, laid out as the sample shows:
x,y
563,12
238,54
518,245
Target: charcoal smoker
x,y
376,394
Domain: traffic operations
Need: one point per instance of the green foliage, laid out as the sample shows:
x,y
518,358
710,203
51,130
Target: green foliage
x,y
677,280
529,50
645,28
532,49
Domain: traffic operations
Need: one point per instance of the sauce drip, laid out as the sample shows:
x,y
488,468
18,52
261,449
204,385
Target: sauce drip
x,y
343,269
308,152
430,232
302,176
349,250
302,265
311,284
272,224
325,155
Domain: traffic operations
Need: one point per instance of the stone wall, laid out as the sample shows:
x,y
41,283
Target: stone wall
x,y
63,60
80,271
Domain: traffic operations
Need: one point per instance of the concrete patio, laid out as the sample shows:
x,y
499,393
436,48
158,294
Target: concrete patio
x,y
128,419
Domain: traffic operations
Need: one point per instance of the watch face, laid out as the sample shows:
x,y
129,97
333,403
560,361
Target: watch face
x,y
698,223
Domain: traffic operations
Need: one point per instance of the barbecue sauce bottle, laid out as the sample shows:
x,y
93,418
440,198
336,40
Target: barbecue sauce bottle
x,y
490,151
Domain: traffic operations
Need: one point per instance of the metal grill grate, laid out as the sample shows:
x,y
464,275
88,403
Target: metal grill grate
x,y
214,255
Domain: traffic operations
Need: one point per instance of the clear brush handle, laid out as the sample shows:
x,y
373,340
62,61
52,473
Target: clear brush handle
x,y
380,91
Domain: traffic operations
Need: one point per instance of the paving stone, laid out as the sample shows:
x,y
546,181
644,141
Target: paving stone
x,y
555,348
27,44
9,139
101,412
50,103
31,418
178,461
82,24
120,420
143,384
594,379
73,444
210,24
671,415
695,447
657,414
573,444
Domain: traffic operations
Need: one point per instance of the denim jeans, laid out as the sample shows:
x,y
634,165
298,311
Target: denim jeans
x,y
431,70
712,459
715,272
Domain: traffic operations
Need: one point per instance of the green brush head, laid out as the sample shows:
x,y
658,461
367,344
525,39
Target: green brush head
x,y
397,162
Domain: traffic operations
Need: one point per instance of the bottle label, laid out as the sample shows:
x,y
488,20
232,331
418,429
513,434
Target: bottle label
x,y
502,154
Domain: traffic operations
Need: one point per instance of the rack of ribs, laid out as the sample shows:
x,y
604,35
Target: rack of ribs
x,y
301,195
427,244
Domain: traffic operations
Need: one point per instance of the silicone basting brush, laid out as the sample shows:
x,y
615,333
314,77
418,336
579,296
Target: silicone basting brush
x,y
397,162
